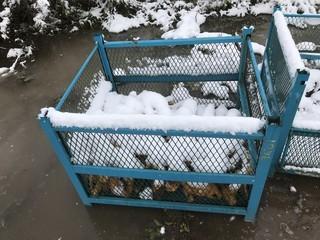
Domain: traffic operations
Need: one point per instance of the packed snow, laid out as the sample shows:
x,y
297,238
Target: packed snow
x,y
150,110
288,46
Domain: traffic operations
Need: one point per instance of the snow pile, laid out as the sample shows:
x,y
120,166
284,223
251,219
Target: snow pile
x,y
289,49
188,27
4,22
118,23
308,114
265,7
18,53
42,8
150,110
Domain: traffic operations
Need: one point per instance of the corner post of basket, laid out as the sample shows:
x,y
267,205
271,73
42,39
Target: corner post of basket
x,y
246,32
288,114
99,41
60,150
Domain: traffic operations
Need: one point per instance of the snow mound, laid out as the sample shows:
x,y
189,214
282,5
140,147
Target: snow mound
x,y
151,110
188,27
118,23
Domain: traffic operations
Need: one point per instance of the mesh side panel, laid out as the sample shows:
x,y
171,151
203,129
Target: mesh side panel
x,y
85,89
195,154
218,92
314,64
254,100
280,77
198,59
305,32
303,150
195,192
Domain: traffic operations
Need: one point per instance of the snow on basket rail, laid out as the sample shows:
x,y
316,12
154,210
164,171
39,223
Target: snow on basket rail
x,y
223,124
288,46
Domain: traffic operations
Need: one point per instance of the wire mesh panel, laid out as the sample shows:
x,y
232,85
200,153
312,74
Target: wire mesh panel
x,y
303,153
85,89
160,190
197,59
170,153
275,74
305,31
254,99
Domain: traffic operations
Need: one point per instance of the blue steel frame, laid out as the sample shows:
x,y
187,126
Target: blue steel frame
x,y
285,117
298,132
307,56
268,137
293,100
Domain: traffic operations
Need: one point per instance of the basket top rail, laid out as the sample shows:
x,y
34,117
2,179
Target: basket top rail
x,y
302,15
235,127
172,42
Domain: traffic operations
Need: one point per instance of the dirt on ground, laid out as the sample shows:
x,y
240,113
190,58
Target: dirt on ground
x,y
37,200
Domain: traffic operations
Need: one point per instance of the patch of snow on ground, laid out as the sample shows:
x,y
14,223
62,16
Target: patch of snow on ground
x,y
188,27
17,53
262,8
118,23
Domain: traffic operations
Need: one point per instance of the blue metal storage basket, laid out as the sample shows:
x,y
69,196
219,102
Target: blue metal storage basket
x,y
158,65
302,152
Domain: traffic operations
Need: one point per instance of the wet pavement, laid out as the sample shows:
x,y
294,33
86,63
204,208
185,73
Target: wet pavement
x,y
37,201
